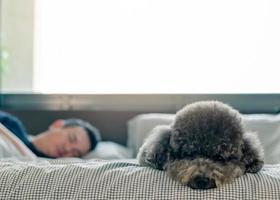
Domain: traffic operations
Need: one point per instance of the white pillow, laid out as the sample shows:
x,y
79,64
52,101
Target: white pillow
x,y
267,127
140,126
109,151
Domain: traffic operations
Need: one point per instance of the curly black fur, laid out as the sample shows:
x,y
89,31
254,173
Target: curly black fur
x,y
205,147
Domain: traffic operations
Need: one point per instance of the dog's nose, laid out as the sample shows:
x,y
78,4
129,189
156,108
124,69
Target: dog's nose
x,y
201,182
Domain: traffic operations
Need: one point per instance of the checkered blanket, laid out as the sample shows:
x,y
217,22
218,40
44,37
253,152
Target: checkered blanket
x,y
123,179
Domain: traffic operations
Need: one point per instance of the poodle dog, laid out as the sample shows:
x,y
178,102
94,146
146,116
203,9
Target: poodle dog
x,y
205,147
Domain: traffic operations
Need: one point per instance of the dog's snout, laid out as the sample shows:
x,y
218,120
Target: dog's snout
x,y
201,182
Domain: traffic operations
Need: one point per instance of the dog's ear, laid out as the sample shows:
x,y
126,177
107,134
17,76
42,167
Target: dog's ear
x,y
154,152
253,154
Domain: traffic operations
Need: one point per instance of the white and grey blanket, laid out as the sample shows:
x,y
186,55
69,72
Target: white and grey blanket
x,y
7,149
123,179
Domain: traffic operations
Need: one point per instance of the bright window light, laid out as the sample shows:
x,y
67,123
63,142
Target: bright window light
x,y
157,46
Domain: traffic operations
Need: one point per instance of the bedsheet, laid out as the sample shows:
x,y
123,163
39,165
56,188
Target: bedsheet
x,y
119,179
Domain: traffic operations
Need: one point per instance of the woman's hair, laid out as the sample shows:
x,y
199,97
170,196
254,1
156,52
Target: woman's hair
x,y
93,132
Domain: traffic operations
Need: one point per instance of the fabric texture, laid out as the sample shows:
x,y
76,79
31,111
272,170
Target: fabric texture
x,y
109,150
7,149
123,179
266,126
17,128
12,146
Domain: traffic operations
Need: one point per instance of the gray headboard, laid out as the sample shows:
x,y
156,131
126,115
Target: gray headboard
x,y
110,113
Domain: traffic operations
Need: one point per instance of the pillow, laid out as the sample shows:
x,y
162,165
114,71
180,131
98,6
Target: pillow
x,y
140,126
109,150
267,127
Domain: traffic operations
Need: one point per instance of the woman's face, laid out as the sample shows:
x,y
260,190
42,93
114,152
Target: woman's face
x,y
72,141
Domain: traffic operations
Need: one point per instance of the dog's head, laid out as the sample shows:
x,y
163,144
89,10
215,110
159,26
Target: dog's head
x,y
206,144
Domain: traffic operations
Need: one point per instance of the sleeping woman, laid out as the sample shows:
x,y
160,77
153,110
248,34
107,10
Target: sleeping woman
x,y
63,138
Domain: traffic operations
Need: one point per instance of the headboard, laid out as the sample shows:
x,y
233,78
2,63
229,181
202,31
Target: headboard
x,y
110,112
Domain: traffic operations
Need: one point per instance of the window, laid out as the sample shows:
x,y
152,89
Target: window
x,y
156,46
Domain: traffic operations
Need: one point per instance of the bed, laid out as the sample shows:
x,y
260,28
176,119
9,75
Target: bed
x,y
119,179
123,178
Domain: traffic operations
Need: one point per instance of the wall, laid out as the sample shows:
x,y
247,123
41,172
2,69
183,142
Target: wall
x,y
17,30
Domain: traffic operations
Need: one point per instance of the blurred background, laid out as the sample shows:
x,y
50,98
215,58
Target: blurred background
x,y
113,59
140,46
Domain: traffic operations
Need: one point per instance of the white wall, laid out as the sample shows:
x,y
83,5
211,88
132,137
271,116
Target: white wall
x,y
17,26
157,46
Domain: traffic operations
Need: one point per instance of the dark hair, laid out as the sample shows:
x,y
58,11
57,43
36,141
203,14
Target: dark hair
x,y
93,132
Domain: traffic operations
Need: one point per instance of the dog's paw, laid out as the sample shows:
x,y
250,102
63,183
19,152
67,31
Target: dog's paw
x,y
254,167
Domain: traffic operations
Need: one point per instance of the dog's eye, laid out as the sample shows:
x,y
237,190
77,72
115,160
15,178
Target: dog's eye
x,y
219,158
233,157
